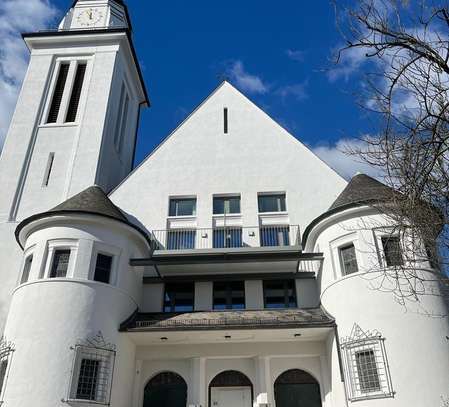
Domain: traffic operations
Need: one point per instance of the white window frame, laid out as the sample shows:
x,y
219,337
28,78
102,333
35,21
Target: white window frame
x,y
340,243
6,353
382,232
360,341
63,244
181,197
93,349
107,250
262,194
30,251
73,62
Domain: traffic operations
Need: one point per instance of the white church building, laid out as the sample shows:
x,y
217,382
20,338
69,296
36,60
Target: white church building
x,y
229,269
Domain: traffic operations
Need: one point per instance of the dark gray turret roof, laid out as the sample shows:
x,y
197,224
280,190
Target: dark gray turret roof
x,y
362,189
92,200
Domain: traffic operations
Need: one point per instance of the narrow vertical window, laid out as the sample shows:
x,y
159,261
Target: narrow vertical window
x,y
58,93
392,251
124,123
26,269
3,370
60,264
225,120
48,168
103,268
76,93
118,123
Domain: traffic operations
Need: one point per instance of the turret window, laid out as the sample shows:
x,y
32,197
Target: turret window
x,y
392,251
60,264
26,269
103,268
348,259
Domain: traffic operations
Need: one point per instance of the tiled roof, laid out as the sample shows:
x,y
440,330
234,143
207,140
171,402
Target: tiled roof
x,y
263,319
91,200
361,189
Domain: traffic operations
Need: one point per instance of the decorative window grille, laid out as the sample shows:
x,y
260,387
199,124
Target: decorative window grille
x,y
92,373
367,374
6,352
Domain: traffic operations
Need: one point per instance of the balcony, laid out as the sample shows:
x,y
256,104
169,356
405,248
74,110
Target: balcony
x,y
227,237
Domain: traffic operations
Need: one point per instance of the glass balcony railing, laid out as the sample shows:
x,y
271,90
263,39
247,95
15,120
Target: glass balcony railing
x,y
226,237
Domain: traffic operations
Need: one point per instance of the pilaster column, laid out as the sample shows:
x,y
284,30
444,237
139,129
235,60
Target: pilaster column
x,y
198,390
137,402
263,389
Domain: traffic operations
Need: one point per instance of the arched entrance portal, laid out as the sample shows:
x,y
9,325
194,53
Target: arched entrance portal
x,y
230,389
296,388
167,389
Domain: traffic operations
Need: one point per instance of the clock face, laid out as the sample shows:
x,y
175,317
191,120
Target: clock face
x,y
89,17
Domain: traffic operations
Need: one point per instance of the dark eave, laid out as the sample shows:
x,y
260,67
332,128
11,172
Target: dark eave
x,y
161,257
228,320
127,31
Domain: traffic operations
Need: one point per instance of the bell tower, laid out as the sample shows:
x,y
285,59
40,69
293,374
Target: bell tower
x,y
77,114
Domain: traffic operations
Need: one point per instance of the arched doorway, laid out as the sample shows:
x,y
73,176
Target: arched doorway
x,y
230,389
166,389
296,388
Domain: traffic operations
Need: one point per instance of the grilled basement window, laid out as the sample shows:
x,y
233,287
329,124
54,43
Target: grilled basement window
x,y
392,251
279,294
179,297
26,269
58,93
103,268
229,295
92,372
76,93
6,352
60,263
348,259
365,364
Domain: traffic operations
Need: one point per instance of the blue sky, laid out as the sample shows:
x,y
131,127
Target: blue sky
x,y
278,54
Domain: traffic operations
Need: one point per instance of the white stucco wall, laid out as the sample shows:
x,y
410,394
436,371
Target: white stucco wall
x,y
257,156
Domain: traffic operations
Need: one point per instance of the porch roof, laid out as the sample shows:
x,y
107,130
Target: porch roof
x,y
219,320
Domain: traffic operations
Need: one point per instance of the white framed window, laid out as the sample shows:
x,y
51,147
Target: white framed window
x,y
182,207
348,259
92,372
103,268
61,257
366,370
67,90
389,247
26,270
272,202
6,353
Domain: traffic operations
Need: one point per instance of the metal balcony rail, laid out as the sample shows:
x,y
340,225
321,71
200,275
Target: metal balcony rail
x,y
226,237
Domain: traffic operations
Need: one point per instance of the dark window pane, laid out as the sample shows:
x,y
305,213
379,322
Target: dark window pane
x,y
279,294
103,268
179,297
60,263
272,203
88,380
181,239
392,251
76,93
367,371
226,205
229,295
225,119
58,93
182,207
274,236
26,269
3,369
348,260
227,237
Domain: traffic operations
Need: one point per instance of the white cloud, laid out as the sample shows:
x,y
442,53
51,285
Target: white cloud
x,y
295,55
17,16
246,81
350,61
297,91
346,165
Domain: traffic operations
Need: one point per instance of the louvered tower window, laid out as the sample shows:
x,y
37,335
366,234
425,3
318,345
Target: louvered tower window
x,y
76,93
58,93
